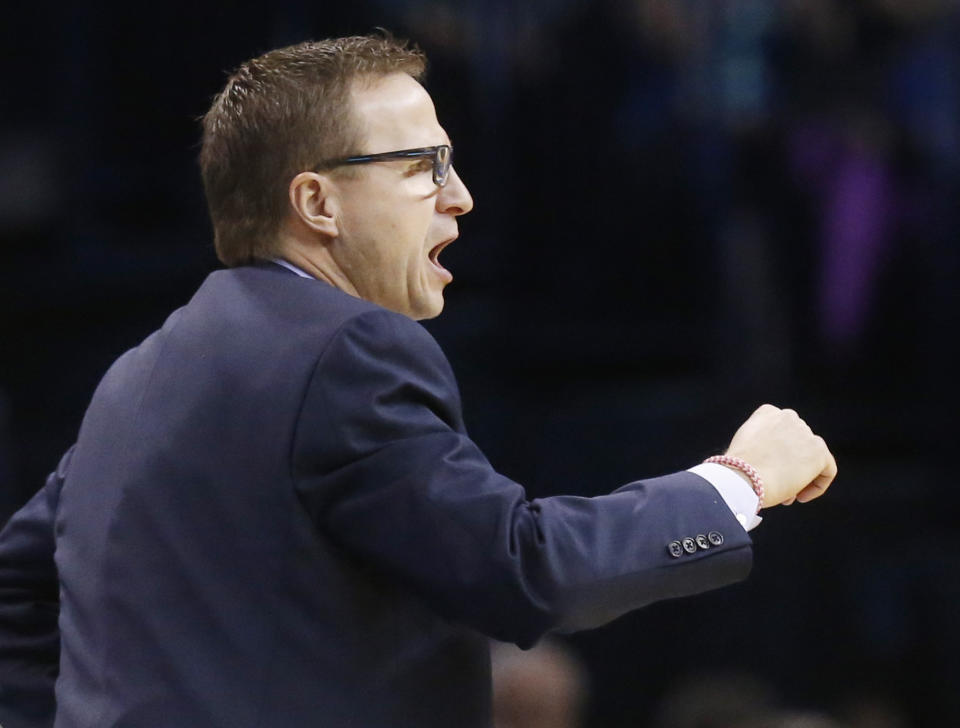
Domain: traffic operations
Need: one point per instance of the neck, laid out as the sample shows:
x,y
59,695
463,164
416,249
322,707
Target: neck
x,y
317,261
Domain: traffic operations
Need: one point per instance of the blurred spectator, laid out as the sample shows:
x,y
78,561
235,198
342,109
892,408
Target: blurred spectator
x,y
792,720
716,701
738,701
866,104
872,710
544,687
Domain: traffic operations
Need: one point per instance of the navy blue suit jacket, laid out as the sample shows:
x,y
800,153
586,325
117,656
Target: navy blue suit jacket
x,y
273,516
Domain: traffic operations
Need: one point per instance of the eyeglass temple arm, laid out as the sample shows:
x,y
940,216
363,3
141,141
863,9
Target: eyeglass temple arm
x,y
425,152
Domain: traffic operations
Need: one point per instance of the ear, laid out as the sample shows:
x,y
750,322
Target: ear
x,y
313,198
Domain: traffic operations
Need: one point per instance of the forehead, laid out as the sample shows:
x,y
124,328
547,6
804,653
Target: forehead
x,y
395,112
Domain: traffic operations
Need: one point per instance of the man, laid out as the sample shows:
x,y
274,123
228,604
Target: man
x,y
273,515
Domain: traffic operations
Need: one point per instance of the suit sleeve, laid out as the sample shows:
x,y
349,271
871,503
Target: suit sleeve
x,y
386,470
29,608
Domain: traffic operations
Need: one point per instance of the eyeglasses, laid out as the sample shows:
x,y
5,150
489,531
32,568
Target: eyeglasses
x,y
442,159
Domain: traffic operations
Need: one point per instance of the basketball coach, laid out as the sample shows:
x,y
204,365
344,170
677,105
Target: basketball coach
x,y
273,515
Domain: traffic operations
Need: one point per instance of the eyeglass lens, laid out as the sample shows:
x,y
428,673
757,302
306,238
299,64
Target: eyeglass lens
x,y
441,165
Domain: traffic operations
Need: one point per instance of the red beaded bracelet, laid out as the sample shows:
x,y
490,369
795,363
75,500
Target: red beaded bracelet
x,y
744,467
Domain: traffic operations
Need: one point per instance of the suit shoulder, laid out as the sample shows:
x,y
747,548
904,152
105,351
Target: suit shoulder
x,y
292,311
389,337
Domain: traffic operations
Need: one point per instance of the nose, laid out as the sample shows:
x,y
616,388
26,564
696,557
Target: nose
x,y
454,197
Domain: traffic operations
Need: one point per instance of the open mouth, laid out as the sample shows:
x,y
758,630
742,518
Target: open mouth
x,y
434,255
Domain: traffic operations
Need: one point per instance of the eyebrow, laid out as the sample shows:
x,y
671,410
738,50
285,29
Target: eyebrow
x,y
412,165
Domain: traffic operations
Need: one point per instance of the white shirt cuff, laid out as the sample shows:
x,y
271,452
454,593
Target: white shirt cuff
x,y
736,492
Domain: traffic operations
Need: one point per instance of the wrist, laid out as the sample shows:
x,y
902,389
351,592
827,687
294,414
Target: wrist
x,y
745,470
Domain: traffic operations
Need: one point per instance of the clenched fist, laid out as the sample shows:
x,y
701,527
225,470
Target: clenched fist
x,y
793,462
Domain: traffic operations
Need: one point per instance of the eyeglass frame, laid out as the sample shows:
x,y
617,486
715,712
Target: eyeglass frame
x,y
442,160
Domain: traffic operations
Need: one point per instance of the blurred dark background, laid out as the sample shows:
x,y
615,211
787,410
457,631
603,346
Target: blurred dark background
x,y
684,208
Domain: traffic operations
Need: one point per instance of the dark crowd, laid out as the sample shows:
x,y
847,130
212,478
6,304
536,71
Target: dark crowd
x,y
684,208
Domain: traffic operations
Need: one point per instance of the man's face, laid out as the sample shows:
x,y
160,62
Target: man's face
x,y
393,220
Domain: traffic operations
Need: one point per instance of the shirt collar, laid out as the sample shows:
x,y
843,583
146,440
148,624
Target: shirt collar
x,y
291,267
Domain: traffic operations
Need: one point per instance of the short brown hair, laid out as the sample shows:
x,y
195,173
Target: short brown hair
x,y
280,114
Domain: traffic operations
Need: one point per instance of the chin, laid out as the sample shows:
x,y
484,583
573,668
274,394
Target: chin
x,y
424,315
428,309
